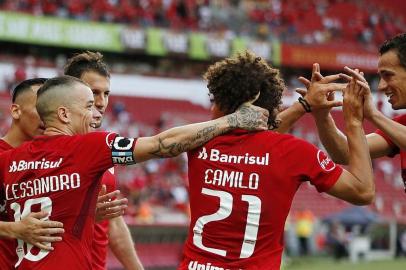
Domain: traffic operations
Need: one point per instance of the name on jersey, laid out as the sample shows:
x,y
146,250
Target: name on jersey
x,y
195,265
232,179
42,185
215,155
23,165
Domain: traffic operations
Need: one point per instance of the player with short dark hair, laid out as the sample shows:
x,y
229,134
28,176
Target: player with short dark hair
x,y
60,172
25,125
241,184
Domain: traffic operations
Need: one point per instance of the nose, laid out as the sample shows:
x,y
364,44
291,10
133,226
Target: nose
x,y
382,85
96,114
99,101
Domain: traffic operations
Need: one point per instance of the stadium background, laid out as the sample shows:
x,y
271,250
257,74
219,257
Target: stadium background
x,y
157,51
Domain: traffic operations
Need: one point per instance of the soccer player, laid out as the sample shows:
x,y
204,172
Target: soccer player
x,y
60,172
90,68
242,184
390,138
25,125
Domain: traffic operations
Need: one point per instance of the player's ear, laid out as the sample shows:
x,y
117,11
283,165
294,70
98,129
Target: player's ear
x,y
64,115
15,111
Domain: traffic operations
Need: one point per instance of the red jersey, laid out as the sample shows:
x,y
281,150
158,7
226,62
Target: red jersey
x,y
241,187
60,175
396,150
8,256
101,229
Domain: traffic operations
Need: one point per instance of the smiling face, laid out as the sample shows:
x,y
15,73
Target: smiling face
x,y
83,115
392,79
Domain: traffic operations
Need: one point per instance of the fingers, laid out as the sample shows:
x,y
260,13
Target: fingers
x,y
301,91
43,246
51,224
333,87
103,190
335,103
363,85
49,239
39,215
330,78
107,197
305,81
316,76
355,73
111,204
49,231
345,77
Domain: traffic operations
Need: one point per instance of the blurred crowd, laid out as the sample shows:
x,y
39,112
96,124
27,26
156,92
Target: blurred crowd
x,y
362,22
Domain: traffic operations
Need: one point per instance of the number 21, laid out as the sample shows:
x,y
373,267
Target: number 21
x,y
225,209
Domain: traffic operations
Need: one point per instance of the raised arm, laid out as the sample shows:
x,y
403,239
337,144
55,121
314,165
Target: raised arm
x,y
357,184
176,140
335,141
318,98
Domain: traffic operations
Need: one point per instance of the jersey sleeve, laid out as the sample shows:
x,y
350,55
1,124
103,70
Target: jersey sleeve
x,y
400,119
311,164
103,150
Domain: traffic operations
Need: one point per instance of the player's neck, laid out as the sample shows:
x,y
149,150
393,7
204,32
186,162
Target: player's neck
x,y
55,130
15,137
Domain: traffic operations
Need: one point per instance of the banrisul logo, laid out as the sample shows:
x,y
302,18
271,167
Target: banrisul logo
x,y
246,158
23,165
203,153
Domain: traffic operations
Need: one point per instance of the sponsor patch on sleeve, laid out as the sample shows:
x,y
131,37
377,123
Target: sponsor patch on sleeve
x,y
325,162
122,151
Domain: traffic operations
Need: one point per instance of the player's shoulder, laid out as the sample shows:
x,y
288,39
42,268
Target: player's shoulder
x,y
95,137
278,138
4,146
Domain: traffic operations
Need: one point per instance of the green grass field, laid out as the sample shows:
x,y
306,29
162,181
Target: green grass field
x,y
316,263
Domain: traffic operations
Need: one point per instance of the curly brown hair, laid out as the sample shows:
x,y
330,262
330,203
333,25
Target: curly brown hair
x,y
236,80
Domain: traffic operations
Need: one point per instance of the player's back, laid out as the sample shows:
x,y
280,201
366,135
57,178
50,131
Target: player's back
x,y
241,187
59,175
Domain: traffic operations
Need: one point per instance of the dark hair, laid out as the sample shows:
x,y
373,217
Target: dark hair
x,y
24,86
398,44
84,62
236,80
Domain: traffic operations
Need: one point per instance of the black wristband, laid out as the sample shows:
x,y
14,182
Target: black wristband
x,y
305,104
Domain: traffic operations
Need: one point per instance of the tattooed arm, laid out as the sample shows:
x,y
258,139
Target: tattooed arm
x,y
176,140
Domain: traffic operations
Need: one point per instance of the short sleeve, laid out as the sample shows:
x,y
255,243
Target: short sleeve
x,y
308,163
400,119
95,151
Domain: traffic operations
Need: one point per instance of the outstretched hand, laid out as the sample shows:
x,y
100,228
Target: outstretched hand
x,y
369,105
108,206
37,231
319,92
353,102
249,117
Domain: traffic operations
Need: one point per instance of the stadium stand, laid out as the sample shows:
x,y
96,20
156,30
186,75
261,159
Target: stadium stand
x,y
297,21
